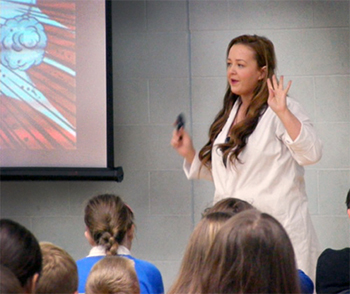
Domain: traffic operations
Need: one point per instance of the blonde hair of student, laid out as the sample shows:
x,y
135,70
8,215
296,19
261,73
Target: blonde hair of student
x,y
197,248
113,275
59,272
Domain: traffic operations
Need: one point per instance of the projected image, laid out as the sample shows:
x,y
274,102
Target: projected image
x,y
38,71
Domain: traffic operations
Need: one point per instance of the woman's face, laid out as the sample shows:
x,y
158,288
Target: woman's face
x,y
243,73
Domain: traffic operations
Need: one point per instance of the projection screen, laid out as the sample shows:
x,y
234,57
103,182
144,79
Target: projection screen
x,y
54,88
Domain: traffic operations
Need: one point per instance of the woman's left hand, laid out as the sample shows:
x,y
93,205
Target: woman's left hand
x,y
277,94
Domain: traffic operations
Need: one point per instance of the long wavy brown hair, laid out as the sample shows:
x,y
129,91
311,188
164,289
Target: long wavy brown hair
x,y
239,134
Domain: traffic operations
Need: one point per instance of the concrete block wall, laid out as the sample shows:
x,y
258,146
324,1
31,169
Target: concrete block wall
x,y
169,57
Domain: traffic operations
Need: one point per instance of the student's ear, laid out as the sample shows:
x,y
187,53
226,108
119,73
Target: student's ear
x,y
131,232
349,212
76,292
30,286
262,73
89,238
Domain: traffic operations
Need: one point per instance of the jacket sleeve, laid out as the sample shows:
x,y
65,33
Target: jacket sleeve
x,y
196,171
307,148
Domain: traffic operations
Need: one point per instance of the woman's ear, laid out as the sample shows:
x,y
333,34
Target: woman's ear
x,y
349,212
262,73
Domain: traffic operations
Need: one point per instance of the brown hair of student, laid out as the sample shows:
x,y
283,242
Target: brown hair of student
x,y
197,248
251,253
229,205
20,252
108,219
113,275
9,284
59,273
265,56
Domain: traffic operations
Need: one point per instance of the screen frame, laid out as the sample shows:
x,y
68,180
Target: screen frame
x,y
111,172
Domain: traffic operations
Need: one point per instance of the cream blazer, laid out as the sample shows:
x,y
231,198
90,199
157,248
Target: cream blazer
x,y
271,177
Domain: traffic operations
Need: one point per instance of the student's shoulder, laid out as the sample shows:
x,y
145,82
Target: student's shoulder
x,y
306,284
146,265
88,260
330,251
149,276
333,256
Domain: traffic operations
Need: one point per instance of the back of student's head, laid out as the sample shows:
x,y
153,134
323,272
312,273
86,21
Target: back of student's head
x,y
229,205
9,284
108,219
203,236
113,275
197,248
251,253
20,252
59,272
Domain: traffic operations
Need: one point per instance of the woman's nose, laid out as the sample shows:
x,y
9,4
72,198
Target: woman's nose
x,y
232,69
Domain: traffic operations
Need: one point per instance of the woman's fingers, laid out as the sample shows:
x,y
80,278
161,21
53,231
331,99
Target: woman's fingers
x,y
177,137
278,85
281,82
275,82
288,86
272,83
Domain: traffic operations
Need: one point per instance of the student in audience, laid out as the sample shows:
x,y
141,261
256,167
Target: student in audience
x,y
251,253
59,272
110,231
230,205
114,275
20,252
234,205
9,284
197,248
333,268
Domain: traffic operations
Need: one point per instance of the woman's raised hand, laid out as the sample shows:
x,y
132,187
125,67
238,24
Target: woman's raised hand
x,y
277,102
277,94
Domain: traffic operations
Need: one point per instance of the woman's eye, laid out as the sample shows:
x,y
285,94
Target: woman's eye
x,y
228,64
240,65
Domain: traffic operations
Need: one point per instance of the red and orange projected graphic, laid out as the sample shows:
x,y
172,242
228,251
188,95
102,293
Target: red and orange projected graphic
x,y
38,75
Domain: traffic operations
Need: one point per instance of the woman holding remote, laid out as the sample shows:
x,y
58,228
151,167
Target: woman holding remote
x,y
258,144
